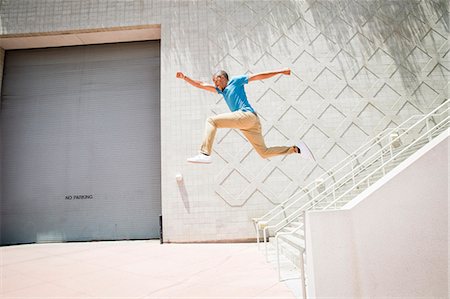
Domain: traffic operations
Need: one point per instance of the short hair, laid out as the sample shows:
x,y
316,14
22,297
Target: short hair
x,y
221,73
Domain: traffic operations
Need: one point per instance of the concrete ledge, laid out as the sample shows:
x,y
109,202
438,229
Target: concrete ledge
x,y
80,37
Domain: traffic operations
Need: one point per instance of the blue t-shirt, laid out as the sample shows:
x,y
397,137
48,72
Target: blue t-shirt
x,y
234,94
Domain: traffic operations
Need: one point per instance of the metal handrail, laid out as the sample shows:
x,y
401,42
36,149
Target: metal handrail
x,y
377,140
346,178
384,164
374,139
354,156
446,120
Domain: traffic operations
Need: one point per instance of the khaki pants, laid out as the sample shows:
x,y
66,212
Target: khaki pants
x,y
249,125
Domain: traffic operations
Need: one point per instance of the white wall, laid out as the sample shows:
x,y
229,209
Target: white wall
x,y
392,240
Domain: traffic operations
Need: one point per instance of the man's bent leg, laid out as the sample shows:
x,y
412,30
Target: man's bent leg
x,y
233,120
254,136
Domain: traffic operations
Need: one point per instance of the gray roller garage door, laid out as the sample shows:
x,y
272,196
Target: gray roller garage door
x,y
80,151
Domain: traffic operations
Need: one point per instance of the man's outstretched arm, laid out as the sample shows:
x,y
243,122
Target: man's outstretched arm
x,y
266,75
198,84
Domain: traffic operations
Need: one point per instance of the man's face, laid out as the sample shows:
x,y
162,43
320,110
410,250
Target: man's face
x,y
220,81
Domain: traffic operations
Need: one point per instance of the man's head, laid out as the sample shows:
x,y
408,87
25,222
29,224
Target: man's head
x,y
220,79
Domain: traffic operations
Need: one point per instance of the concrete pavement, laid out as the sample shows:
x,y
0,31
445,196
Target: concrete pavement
x,y
137,269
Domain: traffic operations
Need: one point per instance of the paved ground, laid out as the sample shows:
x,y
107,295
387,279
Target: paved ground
x,y
137,269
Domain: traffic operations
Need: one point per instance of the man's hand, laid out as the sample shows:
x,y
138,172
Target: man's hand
x,y
196,83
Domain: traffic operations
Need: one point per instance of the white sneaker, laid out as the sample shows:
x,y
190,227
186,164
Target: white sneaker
x,y
305,152
200,158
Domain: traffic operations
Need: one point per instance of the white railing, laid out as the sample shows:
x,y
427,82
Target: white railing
x,y
378,156
262,221
427,135
349,162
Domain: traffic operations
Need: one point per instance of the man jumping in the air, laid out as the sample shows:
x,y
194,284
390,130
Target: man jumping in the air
x,y
242,116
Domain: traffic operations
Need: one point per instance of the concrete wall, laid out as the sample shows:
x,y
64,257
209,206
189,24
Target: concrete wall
x,y
393,242
358,67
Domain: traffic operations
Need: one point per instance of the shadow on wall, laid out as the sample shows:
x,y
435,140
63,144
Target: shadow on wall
x,y
359,66
184,195
400,42
186,37
245,36
395,25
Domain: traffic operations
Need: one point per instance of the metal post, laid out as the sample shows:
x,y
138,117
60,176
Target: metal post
x,y
284,211
265,244
430,137
302,273
303,258
278,258
257,233
353,173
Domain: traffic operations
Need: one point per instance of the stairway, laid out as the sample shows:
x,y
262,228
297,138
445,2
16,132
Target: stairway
x,y
283,227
